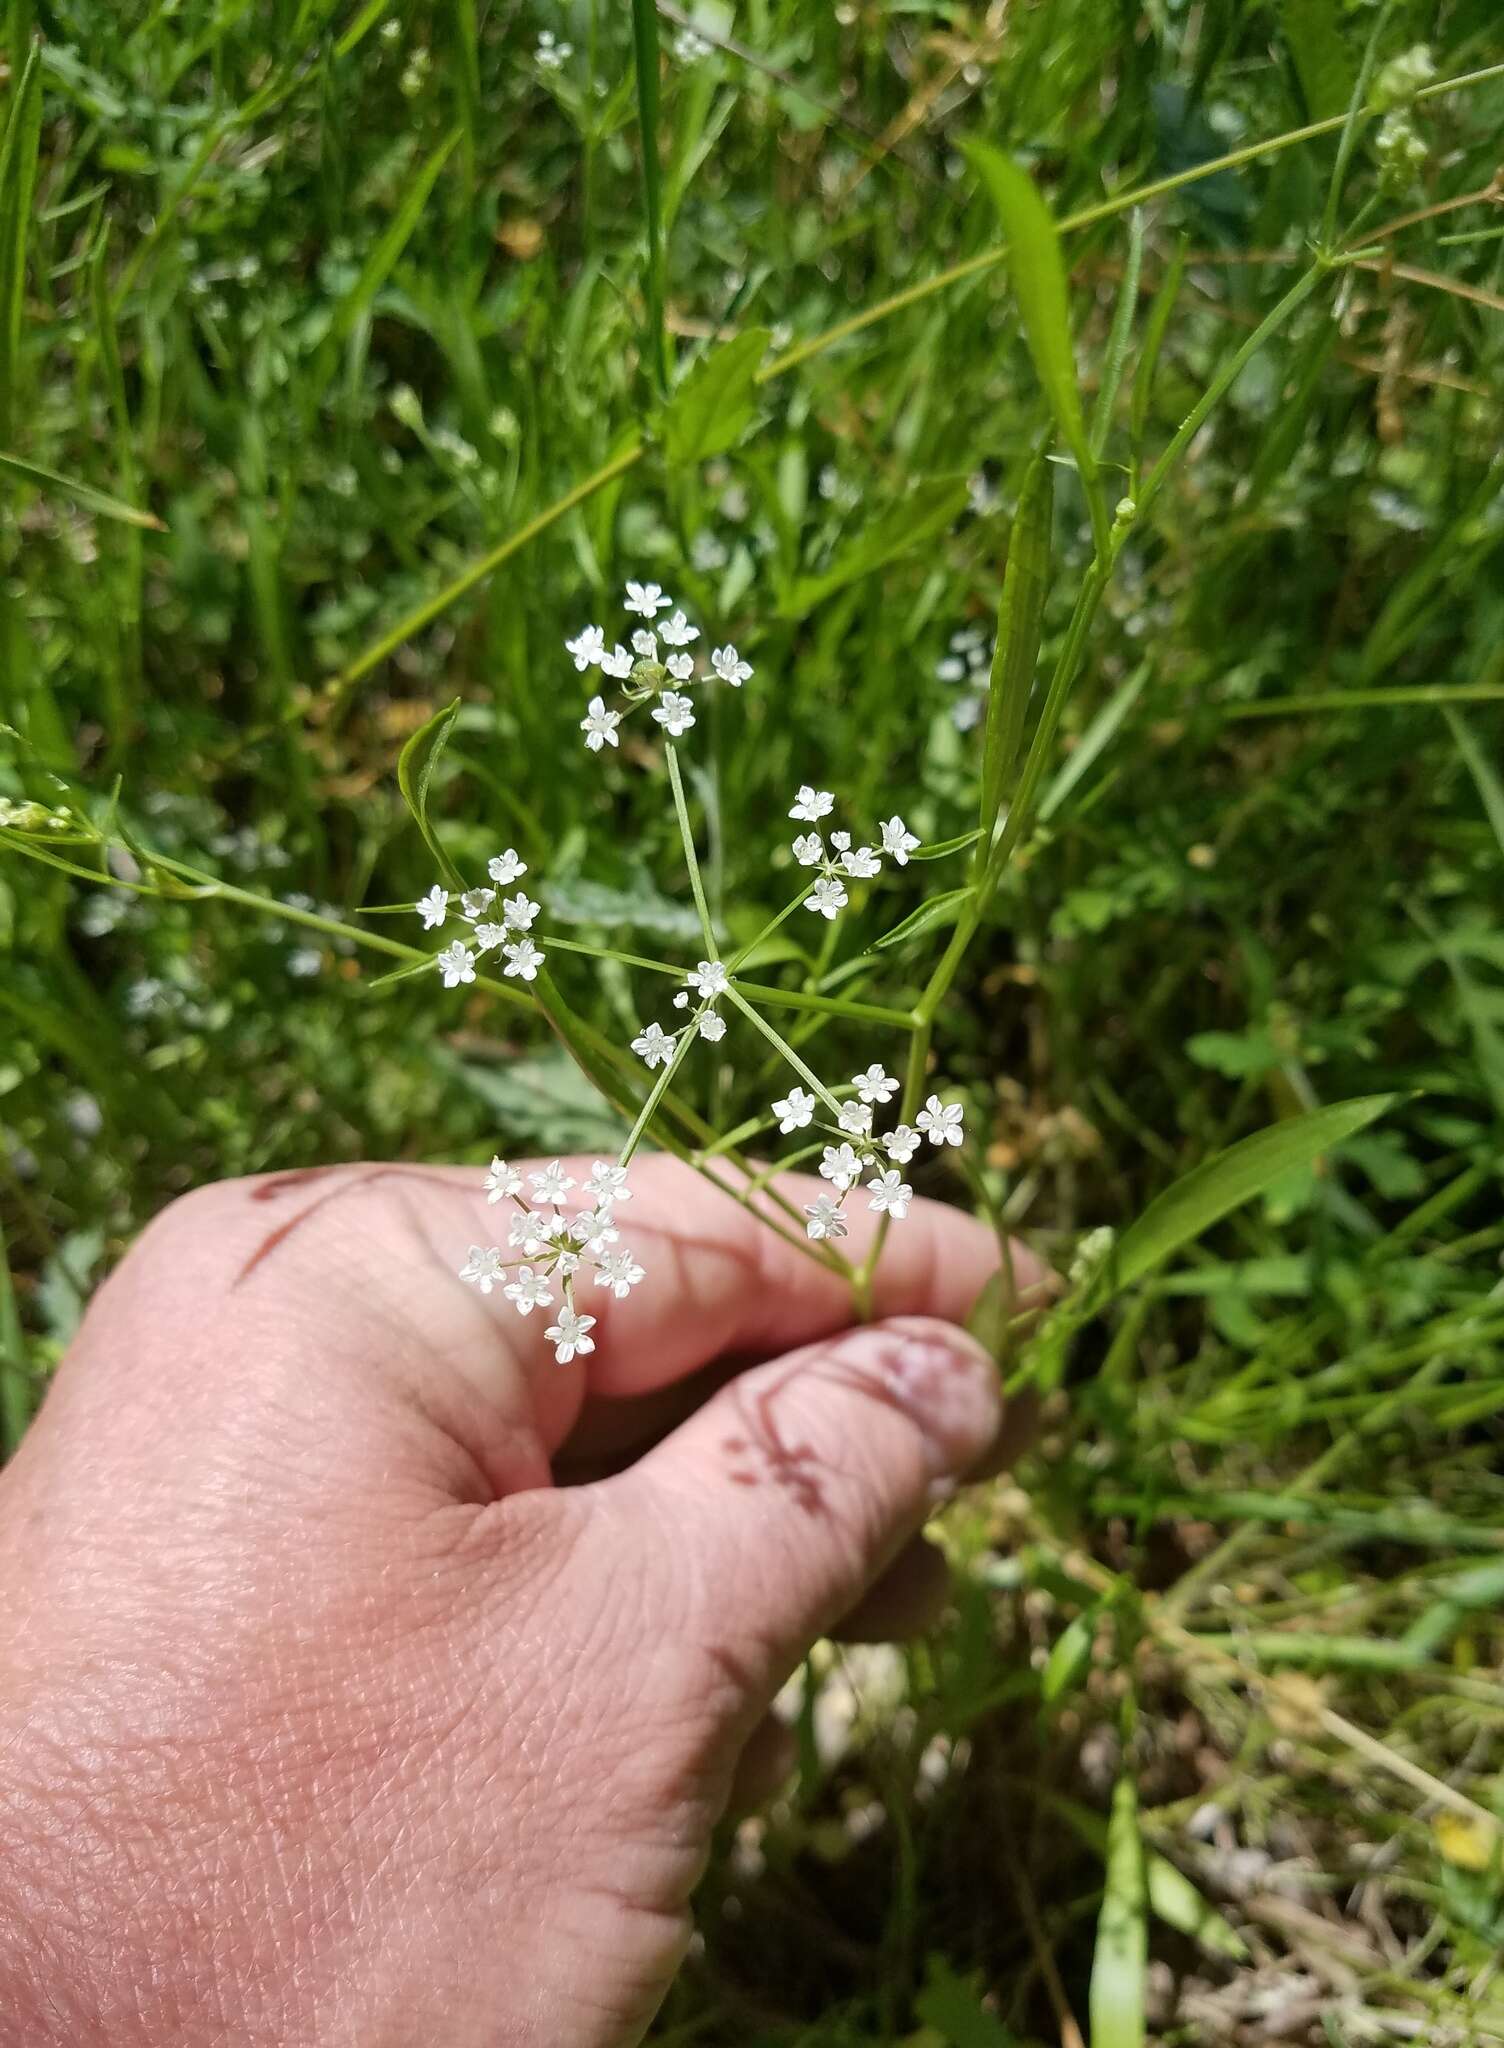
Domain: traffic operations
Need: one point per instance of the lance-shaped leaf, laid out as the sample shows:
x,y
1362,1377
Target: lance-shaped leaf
x,y
1025,582
415,769
713,407
1120,1962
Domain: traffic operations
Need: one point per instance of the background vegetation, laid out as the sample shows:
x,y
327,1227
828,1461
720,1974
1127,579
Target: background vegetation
x,y
346,298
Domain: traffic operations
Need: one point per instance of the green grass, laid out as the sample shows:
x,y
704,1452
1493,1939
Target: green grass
x,y
364,307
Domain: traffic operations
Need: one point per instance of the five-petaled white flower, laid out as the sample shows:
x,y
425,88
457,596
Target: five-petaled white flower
x,y
456,963
712,1027
901,1143
502,1180
941,1121
898,841
599,725
681,667
891,1194
729,666
654,1045
861,863
535,1230
608,1183
825,1218
487,936
431,907
524,959
647,600
551,1183
674,713
507,867
474,903
855,1117
840,1164
483,1268
519,911
644,644
677,631
528,1291
592,1230
709,979
840,841
617,663
619,1271
811,804
570,1335
795,1110
809,849
875,1085
587,647
827,896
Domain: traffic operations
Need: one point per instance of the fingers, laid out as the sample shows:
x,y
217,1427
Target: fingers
x,y
787,1496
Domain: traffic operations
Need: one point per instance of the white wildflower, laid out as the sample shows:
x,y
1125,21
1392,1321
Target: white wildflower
x,y
795,1111
674,713
654,1046
812,804
518,911
875,1085
617,663
898,841
841,841
607,1183
729,666
488,936
825,1218
550,52
891,1194
827,896
677,631
570,1335
587,647
528,1291
709,979
941,1121
712,1027
681,667
456,963
861,863
855,1118
644,644
524,959
840,1164
502,1180
551,1183
809,849
901,1143
431,908
594,1230
599,725
620,1272
476,902
506,868
483,1268
647,600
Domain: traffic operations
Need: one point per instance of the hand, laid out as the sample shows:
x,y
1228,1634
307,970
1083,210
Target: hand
x,y
326,1714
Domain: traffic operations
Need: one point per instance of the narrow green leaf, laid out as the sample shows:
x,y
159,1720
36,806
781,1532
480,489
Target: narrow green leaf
x,y
384,258
1038,272
645,37
1118,338
1223,1183
1172,1896
361,26
1020,618
415,768
82,494
940,910
929,508
1069,1656
937,849
713,407
18,177
1347,140
1148,355
1119,1965
1322,63
1482,770
1097,737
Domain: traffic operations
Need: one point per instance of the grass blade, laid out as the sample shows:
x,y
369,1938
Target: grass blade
x,y
1020,617
1148,355
1038,272
383,259
1119,1966
99,502
1482,770
1097,737
1118,338
18,177
415,771
645,35
1171,1895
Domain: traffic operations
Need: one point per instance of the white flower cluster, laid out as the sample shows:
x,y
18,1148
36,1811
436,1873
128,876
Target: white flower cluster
x,y
644,675
556,1248
521,955
709,981
843,862
968,659
859,1150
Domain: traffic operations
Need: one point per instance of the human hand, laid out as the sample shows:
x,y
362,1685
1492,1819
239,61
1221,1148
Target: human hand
x,y
326,1714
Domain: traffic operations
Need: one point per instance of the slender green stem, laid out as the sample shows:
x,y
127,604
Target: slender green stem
x,y
681,811
641,960
827,1006
745,952
781,1044
657,1092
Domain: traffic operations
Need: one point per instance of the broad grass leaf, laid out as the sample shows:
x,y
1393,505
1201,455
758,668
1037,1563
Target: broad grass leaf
x,y
1119,1965
713,407
929,508
1038,273
1020,616
415,769
1223,1183
939,910
1171,1895
100,502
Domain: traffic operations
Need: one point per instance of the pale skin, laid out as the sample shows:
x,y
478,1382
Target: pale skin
x,y
330,1712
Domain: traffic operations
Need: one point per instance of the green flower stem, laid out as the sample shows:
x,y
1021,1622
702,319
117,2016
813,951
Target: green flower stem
x,y
611,953
827,1006
781,1044
657,1092
681,811
767,931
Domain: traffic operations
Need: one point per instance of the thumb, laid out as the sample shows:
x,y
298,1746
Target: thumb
x,y
790,1491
